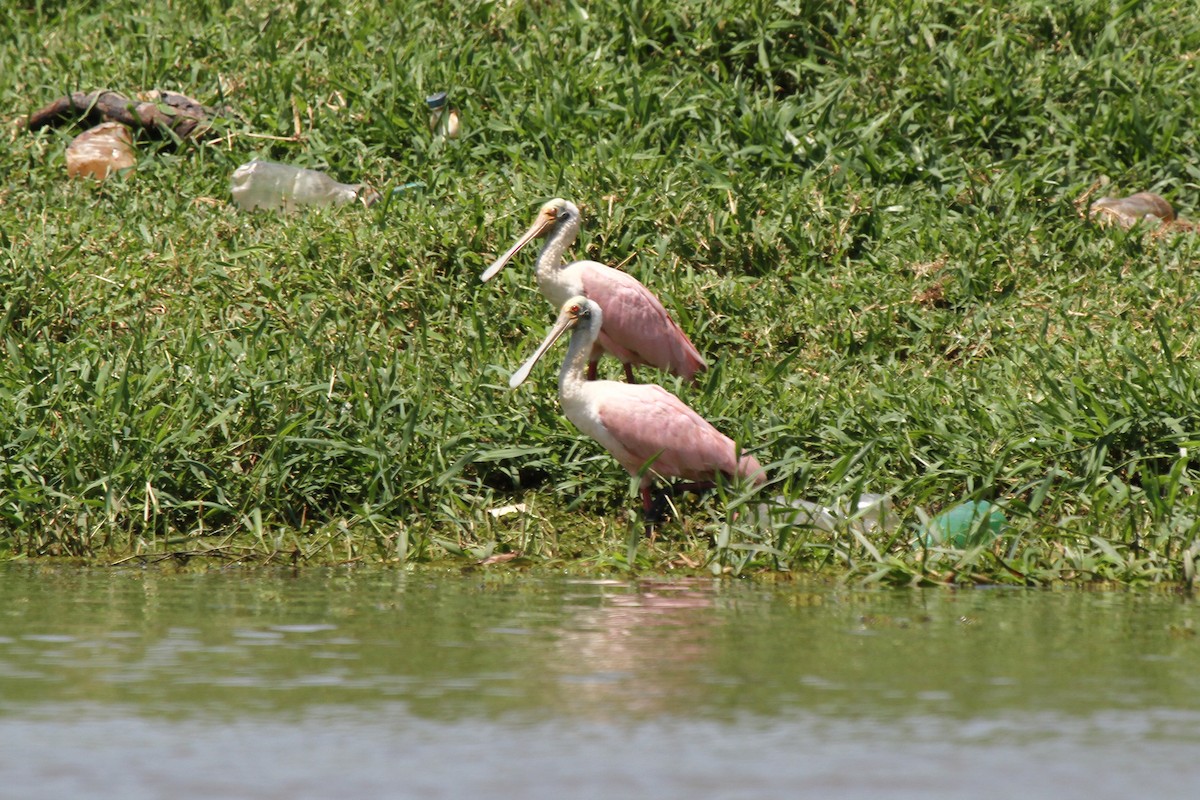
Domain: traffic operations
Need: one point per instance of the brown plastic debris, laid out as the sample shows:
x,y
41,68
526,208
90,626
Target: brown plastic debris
x,y
100,151
1128,211
158,112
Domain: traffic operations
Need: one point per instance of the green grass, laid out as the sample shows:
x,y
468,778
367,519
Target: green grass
x,y
869,217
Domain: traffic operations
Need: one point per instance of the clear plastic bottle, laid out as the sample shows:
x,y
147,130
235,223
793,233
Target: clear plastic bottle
x,y
1128,211
267,184
873,513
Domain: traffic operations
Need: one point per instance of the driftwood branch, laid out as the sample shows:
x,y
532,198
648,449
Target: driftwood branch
x,y
158,112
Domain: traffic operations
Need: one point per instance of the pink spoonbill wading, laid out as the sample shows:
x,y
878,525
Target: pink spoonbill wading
x,y
637,328
651,432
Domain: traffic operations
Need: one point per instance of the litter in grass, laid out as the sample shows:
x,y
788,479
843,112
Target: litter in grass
x,y
1126,212
101,151
965,525
268,185
873,513
504,511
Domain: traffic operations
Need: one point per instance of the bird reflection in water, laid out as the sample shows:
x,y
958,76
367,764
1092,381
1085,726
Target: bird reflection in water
x,y
645,649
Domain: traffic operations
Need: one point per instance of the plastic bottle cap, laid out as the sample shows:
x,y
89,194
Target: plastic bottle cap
x,y
436,101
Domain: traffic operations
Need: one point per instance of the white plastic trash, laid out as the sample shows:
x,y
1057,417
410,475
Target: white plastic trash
x,y
872,514
267,184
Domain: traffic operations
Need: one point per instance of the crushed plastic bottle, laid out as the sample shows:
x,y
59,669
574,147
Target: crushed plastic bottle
x,y
873,513
965,525
101,151
1128,211
267,184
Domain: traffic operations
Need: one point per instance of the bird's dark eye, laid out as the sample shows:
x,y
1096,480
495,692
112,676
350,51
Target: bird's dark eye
x,y
564,214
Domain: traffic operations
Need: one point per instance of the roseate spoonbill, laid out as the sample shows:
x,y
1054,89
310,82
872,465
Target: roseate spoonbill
x,y
637,329
650,431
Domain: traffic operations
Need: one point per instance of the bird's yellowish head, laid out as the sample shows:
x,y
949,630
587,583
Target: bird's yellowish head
x,y
547,218
577,309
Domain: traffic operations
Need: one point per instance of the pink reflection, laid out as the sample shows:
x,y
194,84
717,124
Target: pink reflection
x,y
643,649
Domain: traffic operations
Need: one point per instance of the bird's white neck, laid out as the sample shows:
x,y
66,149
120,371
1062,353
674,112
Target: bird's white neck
x,y
573,373
572,376
550,260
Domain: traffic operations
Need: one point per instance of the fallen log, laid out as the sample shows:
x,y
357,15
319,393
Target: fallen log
x,y
157,112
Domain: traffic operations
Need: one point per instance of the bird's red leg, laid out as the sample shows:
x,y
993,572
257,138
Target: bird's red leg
x,y
591,373
629,372
649,515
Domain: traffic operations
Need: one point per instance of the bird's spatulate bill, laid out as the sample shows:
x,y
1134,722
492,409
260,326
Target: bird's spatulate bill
x,y
537,229
561,326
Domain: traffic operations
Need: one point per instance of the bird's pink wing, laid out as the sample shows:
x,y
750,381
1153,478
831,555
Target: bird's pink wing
x,y
637,328
651,423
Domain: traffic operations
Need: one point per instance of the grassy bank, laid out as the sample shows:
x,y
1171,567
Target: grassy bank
x,y
870,219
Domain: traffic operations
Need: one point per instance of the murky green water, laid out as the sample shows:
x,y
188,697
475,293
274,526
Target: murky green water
x,y
385,684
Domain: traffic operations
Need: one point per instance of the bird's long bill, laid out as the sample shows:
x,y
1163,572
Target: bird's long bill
x,y
561,326
534,231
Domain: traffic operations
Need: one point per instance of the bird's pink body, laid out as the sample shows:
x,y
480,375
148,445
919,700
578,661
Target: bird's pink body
x,y
644,424
648,430
637,328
